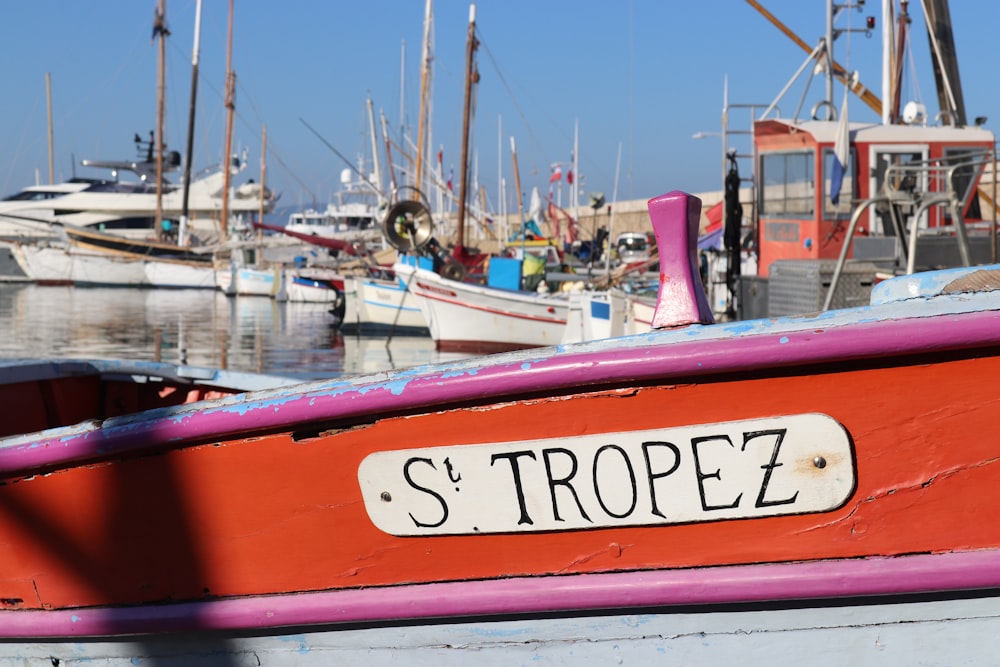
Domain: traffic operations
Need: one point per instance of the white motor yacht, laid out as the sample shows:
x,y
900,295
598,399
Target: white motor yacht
x,y
127,206
355,215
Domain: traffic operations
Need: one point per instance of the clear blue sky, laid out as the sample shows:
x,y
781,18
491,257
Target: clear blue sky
x,y
641,74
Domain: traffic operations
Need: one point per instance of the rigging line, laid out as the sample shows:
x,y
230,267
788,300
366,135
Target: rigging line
x,y
350,164
503,81
246,98
23,137
271,152
912,70
178,51
208,84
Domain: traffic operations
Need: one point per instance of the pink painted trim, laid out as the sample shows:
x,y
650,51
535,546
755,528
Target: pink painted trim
x,y
642,360
850,578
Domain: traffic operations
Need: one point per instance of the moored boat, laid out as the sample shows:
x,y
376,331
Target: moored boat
x,y
256,280
596,314
703,491
87,258
819,209
380,306
465,317
301,288
52,393
122,206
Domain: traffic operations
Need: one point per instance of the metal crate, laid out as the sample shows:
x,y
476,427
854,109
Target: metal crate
x,y
799,286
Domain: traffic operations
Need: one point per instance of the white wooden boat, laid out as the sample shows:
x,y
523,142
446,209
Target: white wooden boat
x,y
466,317
383,306
238,273
180,275
299,288
597,314
256,281
639,315
87,258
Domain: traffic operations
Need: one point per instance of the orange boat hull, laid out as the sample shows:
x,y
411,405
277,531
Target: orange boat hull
x,y
283,512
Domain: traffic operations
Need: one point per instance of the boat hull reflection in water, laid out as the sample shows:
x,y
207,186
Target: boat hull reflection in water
x,y
196,327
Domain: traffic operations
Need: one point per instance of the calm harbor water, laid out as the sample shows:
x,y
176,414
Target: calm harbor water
x,y
194,327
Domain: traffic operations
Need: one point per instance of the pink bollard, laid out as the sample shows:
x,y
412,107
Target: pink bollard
x,y
681,298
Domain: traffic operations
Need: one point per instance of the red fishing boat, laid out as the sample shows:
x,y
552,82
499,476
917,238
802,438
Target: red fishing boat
x,y
703,491
818,207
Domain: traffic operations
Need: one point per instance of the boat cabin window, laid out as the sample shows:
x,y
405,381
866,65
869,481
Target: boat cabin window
x,y
788,184
632,242
34,195
843,208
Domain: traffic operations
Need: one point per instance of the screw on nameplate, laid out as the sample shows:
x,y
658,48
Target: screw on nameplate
x,y
681,299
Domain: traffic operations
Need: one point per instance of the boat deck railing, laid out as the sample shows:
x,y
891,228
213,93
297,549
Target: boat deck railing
x,y
945,182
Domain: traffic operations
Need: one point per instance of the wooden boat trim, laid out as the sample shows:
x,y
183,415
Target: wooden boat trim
x,y
815,580
738,347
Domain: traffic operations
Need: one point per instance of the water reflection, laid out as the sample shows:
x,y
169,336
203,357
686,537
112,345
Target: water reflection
x,y
364,354
196,327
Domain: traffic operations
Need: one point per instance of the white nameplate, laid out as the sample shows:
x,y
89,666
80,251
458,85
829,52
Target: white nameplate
x,y
776,466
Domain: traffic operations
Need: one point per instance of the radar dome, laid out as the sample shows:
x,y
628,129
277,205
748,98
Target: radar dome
x,y
345,176
914,113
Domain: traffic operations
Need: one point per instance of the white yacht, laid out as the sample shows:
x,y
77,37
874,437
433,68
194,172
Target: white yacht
x,y
355,215
128,207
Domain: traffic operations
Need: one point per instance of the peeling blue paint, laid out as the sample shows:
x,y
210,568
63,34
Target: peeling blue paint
x,y
300,639
741,328
460,372
396,388
783,340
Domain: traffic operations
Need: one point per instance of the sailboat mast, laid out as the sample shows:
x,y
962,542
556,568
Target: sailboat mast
x,y
471,77
48,101
517,183
388,152
425,85
902,39
263,176
230,106
160,28
575,194
376,176
189,153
